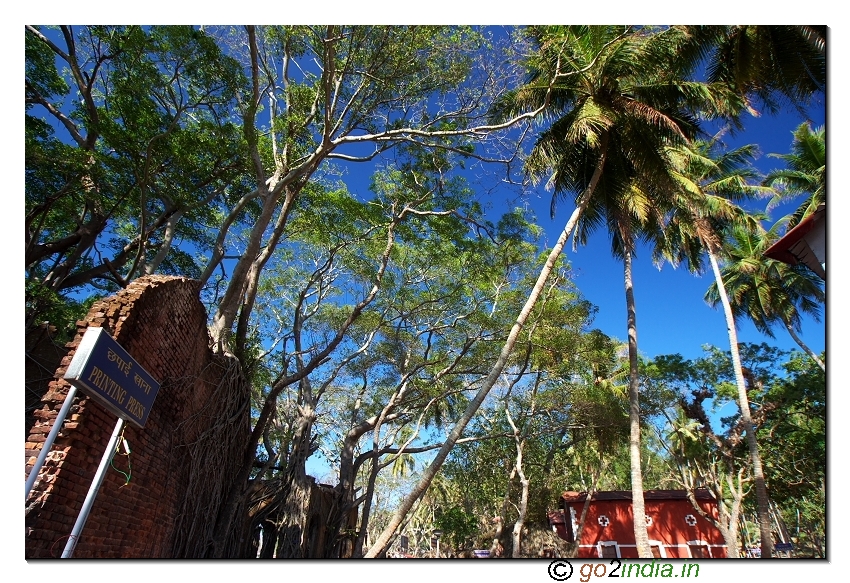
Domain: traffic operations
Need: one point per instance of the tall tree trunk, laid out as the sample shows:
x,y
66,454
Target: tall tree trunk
x,y
805,347
503,516
431,471
367,506
762,500
638,510
574,550
340,544
232,300
298,486
520,439
516,539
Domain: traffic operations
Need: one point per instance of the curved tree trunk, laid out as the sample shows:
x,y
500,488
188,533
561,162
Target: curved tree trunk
x,y
501,518
762,500
298,487
730,533
803,345
167,240
574,548
341,545
516,536
520,439
431,471
638,510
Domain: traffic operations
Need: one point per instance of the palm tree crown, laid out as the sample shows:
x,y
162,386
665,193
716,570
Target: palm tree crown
x,y
712,184
771,65
805,173
766,291
616,97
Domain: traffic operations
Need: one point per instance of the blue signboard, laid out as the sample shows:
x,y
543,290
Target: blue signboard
x,y
112,377
783,547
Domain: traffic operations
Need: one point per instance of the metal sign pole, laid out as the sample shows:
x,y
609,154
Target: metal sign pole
x,y
95,486
48,443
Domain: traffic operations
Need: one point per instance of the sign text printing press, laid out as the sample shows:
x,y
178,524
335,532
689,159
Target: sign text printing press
x,y
108,374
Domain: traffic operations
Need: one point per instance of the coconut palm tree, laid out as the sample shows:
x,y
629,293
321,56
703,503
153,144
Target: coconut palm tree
x,y
712,181
766,291
771,65
617,119
616,105
805,173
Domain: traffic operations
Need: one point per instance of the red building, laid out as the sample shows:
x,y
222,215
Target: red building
x,y
675,528
805,243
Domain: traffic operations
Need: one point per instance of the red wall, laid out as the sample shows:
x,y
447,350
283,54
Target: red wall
x,y
668,527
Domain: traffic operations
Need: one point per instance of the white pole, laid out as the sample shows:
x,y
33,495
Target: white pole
x,y
95,486
48,443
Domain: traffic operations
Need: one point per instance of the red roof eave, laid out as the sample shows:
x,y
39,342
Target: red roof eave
x,y
780,250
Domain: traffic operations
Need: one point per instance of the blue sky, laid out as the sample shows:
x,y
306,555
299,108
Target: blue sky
x,y
671,314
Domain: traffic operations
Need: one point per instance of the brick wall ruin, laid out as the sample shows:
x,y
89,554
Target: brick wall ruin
x,y
179,463
43,355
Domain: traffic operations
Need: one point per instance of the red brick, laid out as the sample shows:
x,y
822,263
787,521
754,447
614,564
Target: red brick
x,y
161,322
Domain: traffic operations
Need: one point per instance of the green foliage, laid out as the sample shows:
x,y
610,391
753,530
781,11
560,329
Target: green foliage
x,y
805,173
40,67
771,65
568,420
221,153
765,291
146,137
787,393
45,305
795,457
457,525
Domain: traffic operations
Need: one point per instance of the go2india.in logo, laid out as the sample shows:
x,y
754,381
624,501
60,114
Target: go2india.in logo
x,y
561,570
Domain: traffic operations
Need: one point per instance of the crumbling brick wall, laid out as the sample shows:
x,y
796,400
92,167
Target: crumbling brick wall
x,y
160,321
43,354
